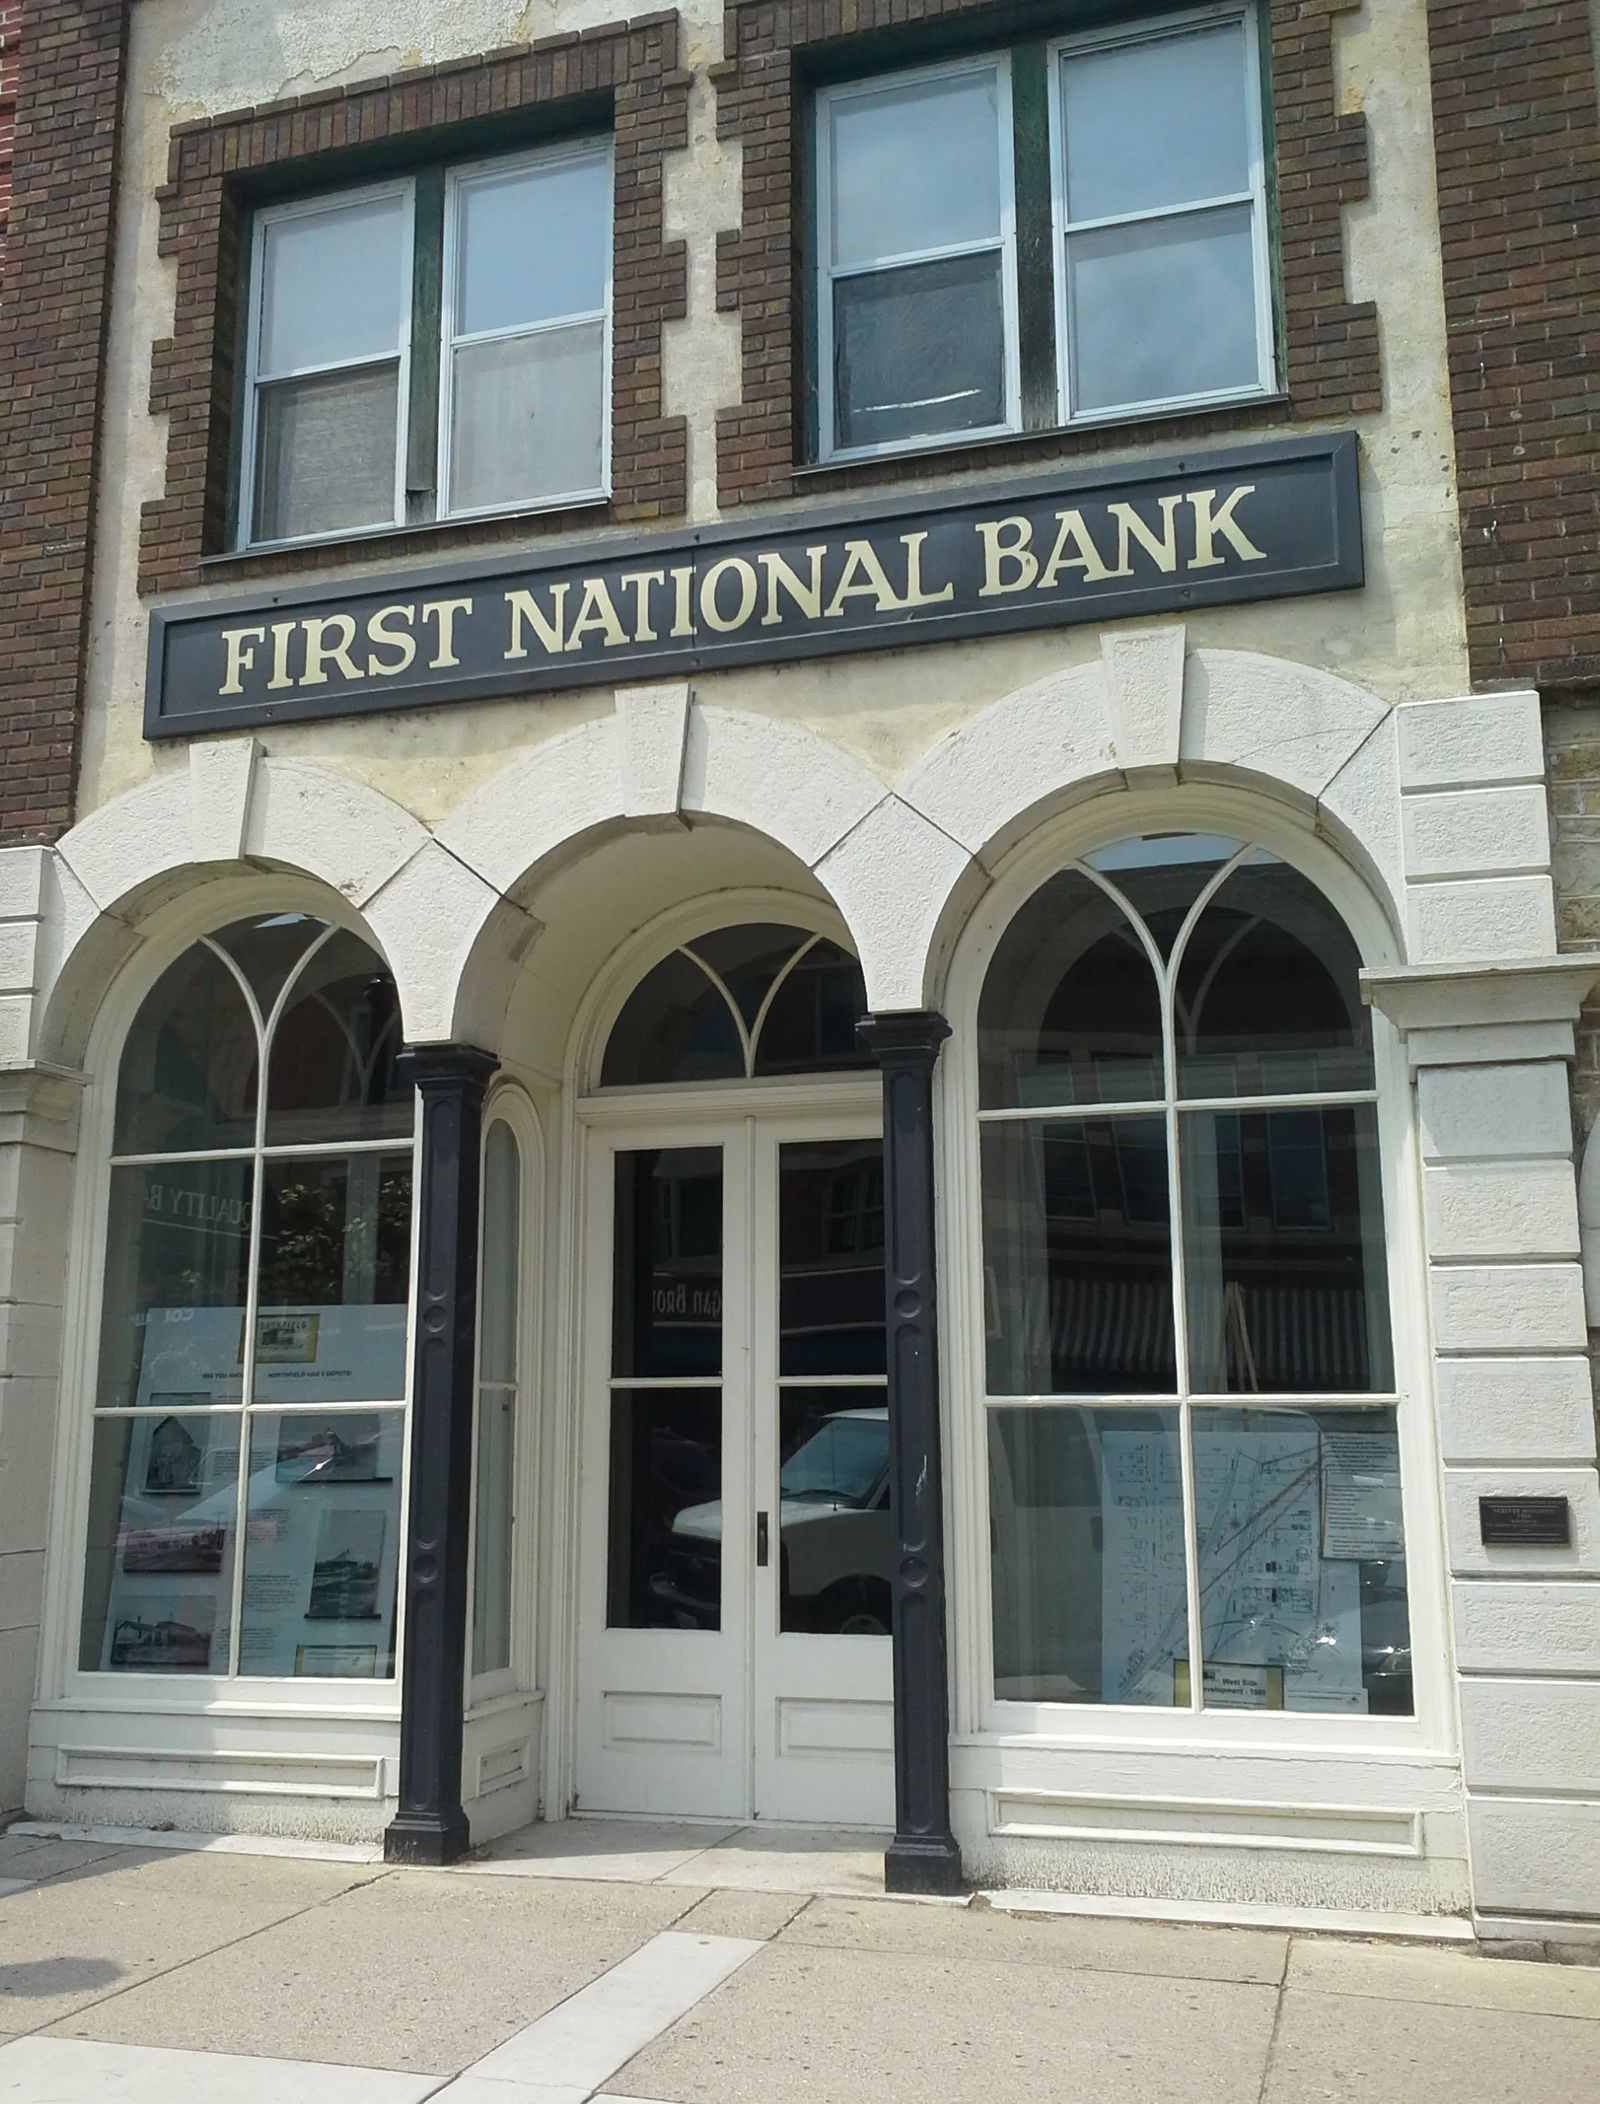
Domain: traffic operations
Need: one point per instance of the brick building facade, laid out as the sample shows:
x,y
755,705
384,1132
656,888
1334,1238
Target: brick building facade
x,y
612,551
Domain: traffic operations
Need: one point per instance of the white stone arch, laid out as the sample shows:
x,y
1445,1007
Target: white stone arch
x,y
206,840
662,759
1151,715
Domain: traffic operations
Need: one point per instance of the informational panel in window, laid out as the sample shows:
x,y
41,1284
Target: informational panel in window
x,y
194,1357
1281,1616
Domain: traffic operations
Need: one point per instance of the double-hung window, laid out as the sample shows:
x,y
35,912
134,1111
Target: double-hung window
x,y
1062,232
431,348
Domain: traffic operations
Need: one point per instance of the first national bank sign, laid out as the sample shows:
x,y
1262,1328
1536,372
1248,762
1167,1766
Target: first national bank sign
x,y
1258,523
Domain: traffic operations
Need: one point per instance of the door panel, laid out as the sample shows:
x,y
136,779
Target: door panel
x,y
663,1715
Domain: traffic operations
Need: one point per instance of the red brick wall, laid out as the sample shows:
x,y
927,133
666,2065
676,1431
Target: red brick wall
x,y
10,25
1517,139
52,331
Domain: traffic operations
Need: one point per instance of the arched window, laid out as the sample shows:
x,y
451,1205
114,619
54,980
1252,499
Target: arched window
x,y
244,1500
1192,1431
739,1004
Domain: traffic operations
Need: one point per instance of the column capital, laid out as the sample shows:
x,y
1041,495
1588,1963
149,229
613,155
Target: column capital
x,y
907,1034
443,1066
1485,1014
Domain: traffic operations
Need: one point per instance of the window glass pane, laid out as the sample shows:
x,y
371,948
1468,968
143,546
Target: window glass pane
x,y
837,1536
527,417
916,167
811,1026
1086,1534
333,1074
830,1257
1283,1248
335,1279
502,1230
666,1310
177,1257
491,1546
158,1581
1077,1257
534,244
325,453
919,351
333,284
1070,1011
1160,122
1162,874
675,1026
1269,996
267,951
187,1081
1302,1561
747,959
664,1567
1163,309
322,1545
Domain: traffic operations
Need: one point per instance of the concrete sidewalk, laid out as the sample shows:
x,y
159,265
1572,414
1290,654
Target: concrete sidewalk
x,y
141,1975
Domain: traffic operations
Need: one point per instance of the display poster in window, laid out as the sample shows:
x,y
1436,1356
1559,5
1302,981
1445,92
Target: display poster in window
x,y
170,1594
319,1576
193,1358
1361,1515
1270,1597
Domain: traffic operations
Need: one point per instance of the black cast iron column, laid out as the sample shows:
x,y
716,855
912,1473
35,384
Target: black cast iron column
x,y
430,1826
923,1856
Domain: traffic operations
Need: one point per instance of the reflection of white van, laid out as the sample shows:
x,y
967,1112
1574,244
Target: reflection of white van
x,y
834,1532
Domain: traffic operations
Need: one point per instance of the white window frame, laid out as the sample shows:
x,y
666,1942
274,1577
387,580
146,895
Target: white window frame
x,y
998,63
457,181
1064,48
277,215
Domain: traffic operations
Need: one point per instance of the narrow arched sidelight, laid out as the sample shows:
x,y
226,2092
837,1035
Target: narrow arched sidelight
x,y
1190,1380
500,1276
737,1004
250,1384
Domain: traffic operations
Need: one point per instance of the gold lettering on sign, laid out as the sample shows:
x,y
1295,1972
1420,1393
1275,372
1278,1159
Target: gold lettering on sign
x,y
596,611
320,652
805,592
710,612
914,594
1208,524
443,612
402,642
1161,548
281,675
1073,550
639,583
526,611
237,641
863,577
1014,551
682,604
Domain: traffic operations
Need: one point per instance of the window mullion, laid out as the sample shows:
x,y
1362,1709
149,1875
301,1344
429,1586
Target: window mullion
x,y
1035,236
427,303
1180,1329
247,1361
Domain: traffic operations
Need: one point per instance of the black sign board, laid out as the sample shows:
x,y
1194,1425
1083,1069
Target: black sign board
x,y
1525,1523
1261,522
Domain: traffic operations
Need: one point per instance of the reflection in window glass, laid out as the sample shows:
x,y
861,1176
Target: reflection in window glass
x,y
187,1382
830,1257
675,1026
1087,1541
497,1400
158,1576
1077,1257
664,1561
1283,1250
322,1545
1302,1561
333,1053
666,1307
810,1027
836,1534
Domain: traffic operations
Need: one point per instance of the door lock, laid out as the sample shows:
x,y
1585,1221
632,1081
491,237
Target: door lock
x,y
763,1541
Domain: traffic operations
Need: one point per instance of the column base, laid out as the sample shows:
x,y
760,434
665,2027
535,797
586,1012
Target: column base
x,y
929,1866
428,1839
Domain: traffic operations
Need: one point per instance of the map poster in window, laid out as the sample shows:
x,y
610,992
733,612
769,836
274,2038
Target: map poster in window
x,y
194,1357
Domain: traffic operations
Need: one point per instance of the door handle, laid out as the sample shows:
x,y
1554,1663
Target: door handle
x,y
763,1541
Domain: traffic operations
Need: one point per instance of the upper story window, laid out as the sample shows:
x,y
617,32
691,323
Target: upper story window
x,y
429,348
1052,234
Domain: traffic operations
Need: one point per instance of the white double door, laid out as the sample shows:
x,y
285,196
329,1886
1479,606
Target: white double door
x,y
736,1536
